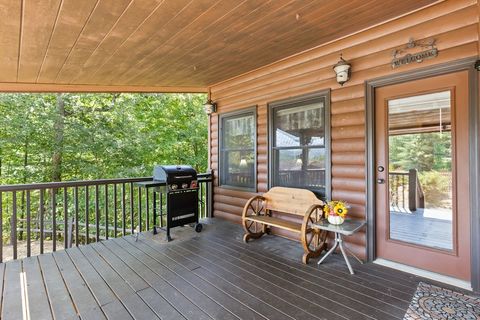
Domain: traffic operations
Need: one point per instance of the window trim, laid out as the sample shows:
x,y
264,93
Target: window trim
x,y
297,101
237,113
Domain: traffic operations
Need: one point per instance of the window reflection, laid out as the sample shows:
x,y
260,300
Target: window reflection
x,y
420,170
237,154
299,145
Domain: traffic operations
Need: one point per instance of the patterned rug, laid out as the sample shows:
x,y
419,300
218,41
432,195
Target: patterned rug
x,y
432,302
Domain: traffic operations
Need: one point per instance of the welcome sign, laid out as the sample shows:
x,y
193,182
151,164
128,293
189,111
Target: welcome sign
x,y
401,57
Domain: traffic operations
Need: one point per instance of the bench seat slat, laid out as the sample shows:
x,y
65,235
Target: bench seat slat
x,y
276,222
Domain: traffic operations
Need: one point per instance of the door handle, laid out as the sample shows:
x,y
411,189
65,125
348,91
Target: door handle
x,y
380,181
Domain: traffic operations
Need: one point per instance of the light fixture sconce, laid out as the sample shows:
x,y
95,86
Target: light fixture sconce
x,y
342,70
210,107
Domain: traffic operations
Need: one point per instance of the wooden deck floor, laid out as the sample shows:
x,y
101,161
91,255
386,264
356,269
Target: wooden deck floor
x,y
417,229
211,275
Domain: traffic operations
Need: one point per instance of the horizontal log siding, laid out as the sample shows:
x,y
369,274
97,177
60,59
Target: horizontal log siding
x,y
453,23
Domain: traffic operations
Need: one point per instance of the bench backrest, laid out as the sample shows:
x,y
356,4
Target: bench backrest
x,y
290,200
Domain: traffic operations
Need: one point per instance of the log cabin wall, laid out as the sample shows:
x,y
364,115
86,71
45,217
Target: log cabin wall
x,y
453,23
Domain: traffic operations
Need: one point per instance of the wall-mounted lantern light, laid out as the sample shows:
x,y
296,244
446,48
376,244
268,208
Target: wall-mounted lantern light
x,y
342,69
210,107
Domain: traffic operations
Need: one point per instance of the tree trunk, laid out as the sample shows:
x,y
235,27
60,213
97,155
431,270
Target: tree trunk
x,y
58,142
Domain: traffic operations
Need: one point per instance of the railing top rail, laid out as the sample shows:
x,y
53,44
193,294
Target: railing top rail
x,y
62,184
203,177
398,173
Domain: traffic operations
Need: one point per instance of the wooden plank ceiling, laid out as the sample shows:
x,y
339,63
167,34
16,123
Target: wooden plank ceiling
x,y
169,43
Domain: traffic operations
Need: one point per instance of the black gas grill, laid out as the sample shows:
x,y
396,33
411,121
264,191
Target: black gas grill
x,y
181,188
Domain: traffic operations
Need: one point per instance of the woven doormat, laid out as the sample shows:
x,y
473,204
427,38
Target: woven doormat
x,y
432,302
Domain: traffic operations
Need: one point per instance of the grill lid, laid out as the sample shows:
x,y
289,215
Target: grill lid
x,y
174,173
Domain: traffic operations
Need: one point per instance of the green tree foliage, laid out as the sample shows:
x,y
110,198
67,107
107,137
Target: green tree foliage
x,y
429,153
421,151
82,136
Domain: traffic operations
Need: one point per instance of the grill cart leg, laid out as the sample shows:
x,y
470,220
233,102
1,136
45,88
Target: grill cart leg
x,y
168,234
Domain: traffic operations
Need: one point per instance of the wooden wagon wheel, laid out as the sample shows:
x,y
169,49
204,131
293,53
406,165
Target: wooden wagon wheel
x,y
313,239
254,207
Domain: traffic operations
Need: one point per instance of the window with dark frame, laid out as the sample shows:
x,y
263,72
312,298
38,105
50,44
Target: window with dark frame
x,y
299,145
237,149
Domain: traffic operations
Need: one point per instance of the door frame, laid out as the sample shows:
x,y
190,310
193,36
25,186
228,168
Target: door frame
x,y
467,64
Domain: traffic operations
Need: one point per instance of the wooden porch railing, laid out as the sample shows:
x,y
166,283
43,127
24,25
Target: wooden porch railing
x,y
406,190
79,212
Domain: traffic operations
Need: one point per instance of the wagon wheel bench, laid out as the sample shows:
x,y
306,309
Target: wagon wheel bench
x,y
257,217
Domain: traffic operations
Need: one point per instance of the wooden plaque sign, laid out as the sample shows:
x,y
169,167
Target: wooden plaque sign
x,y
402,56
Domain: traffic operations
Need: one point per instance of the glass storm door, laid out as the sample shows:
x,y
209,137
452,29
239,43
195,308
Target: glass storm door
x,y
422,204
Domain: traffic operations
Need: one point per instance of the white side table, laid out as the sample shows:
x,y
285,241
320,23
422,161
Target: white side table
x,y
349,227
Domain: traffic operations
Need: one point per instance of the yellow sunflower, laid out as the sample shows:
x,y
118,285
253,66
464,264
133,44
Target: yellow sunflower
x,y
340,209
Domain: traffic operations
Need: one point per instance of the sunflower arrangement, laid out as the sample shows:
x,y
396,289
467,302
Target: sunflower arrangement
x,y
334,209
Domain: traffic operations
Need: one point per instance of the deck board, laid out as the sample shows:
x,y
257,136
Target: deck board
x,y
37,296
134,304
327,288
12,292
58,296
203,301
329,272
211,275
236,307
83,299
293,305
291,299
100,290
179,296
149,270
260,300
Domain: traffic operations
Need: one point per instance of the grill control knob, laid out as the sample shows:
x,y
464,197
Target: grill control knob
x,y
184,185
174,187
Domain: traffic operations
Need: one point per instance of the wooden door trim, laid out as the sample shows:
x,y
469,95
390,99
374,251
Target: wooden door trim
x,y
474,149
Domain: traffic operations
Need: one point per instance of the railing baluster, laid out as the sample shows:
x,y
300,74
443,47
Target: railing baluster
x,y
54,218
42,213
28,225
75,201
65,217
140,209
97,216
1,227
13,231
124,209
147,212
131,209
161,210
106,211
155,209
115,210
87,210
200,196
209,197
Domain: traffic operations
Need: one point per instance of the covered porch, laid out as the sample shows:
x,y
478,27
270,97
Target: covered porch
x,y
211,275
278,115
